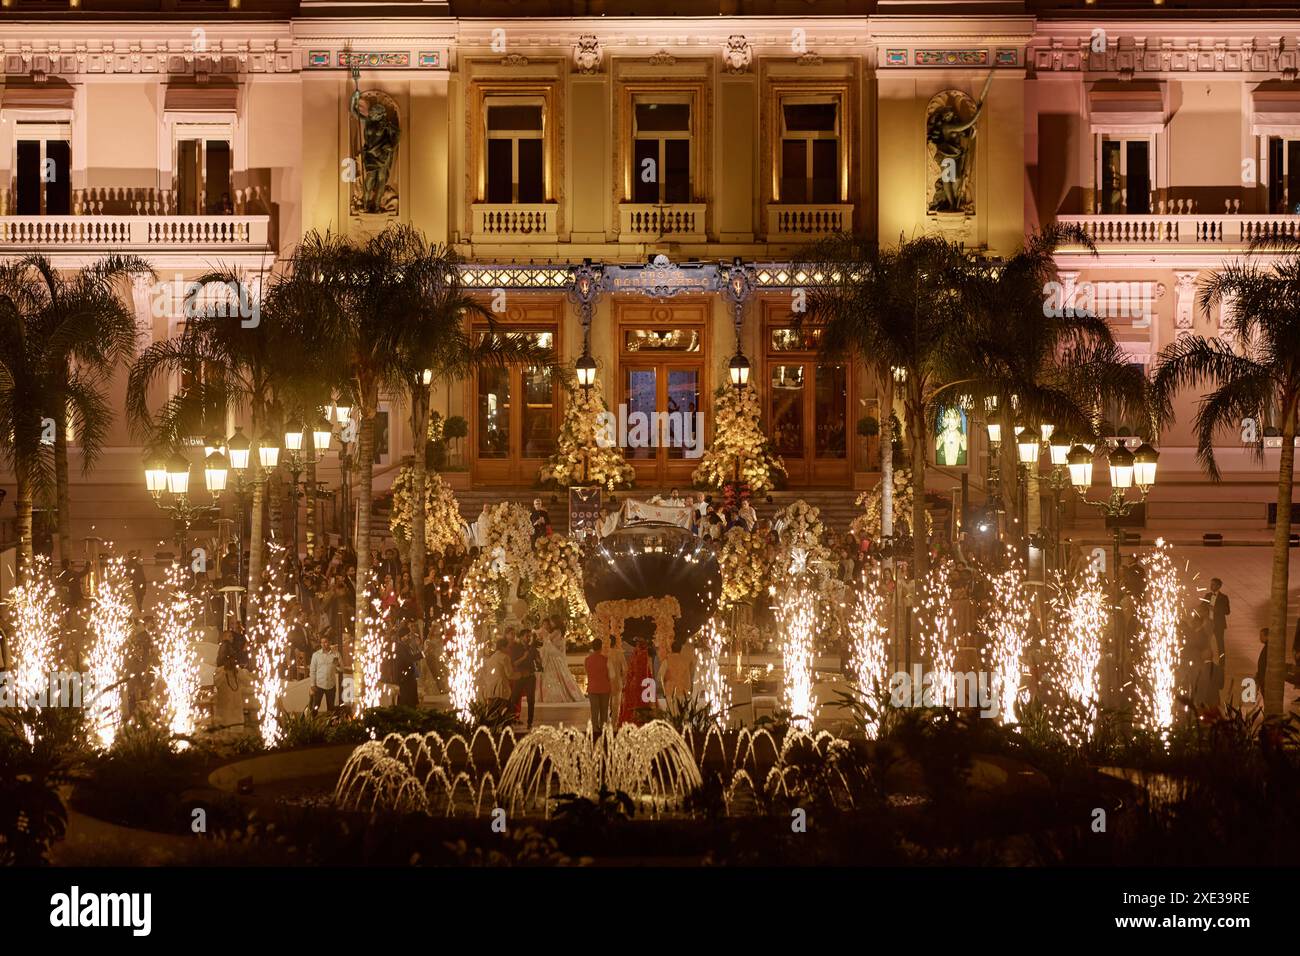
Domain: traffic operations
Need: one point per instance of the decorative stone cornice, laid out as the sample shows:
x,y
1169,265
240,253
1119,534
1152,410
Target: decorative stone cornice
x,y
1127,53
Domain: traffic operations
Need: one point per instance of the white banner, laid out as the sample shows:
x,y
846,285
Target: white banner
x,y
635,511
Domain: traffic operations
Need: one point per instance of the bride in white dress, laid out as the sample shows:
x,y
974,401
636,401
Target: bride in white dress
x,y
558,685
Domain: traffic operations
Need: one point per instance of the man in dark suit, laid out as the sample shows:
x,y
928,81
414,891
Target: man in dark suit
x,y
1220,608
525,662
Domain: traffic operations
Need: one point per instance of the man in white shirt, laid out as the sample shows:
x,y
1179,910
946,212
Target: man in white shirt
x,y
325,667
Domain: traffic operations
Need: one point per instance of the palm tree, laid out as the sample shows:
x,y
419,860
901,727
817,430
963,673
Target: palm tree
x,y
231,366
442,347
1032,355
900,311
37,388
85,329
1253,370
372,315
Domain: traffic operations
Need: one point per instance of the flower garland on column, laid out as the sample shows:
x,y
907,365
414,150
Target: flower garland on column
x,y
867,525
555,576
586,436
738,438
442,520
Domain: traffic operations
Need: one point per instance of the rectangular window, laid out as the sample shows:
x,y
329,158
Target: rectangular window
x,y
661,152
1125,176
661,340
43,180
203,166
515,156
810,151
1283,175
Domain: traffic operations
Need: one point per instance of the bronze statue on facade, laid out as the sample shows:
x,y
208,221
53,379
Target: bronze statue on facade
x,y
375,149
950,132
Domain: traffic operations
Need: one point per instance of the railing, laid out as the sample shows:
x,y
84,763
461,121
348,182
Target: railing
x,y
807,222
1224,228
680,221
514,222
134,232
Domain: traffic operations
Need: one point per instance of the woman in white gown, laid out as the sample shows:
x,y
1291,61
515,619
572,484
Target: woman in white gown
x,y
557,683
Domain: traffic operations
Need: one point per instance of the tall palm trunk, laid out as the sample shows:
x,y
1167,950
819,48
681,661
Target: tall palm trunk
x,y
23,506
887,460
61,496
420,423
255,533
365,480
916,435
309,505
1275,667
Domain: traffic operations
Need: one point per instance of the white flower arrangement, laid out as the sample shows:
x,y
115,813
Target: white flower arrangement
x,y
508,538
743,561
738,438
442,520
577,446
867,525
799,530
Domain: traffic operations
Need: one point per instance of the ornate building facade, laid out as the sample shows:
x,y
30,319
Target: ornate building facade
x,y
669,151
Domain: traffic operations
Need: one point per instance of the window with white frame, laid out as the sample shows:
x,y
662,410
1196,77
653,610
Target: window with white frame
x,y
42,165
810,149
661,149
1283,174
1125,173
515,164
203,163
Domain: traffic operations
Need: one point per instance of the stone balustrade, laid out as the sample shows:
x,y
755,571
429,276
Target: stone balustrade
x,y
514,222
679,222
135,233
807,222
1227,229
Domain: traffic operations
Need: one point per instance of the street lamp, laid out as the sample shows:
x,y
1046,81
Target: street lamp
x,y
168,482
239,447
321,435
739,369
585,369
268,450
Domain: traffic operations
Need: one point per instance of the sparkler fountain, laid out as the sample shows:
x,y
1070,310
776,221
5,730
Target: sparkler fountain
x,y
1158,631
939,632
178,662
1007,622
796,615
110,628
868,634
270,636
37,617
1083,613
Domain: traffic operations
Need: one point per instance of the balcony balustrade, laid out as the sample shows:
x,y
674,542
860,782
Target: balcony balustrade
x,y
807,222
514,222
1223,229
677,222
137,220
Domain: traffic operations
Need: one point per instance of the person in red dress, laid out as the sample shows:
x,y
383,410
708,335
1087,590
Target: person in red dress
x,y
638,673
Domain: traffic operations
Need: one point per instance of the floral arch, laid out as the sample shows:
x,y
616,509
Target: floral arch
x,y
610,616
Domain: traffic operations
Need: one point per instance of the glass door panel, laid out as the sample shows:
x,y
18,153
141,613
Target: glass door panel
x,y
494,413
539,412
641,394
830,416
683,403
786,397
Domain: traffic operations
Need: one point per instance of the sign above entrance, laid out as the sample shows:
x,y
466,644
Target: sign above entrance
x,y
661,279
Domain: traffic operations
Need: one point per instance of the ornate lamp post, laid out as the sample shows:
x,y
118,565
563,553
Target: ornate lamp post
x,y
297,459
1058,479
1127,470
584,293
168,482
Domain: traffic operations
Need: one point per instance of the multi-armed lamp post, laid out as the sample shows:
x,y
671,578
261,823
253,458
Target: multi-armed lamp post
x,y
585,291
298,458
168,481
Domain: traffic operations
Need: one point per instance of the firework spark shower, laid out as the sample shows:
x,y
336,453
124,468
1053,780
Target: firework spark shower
x,y
939,630
37,616
868,633
270,636
110,631
1083,613
178,662
1006,624
1159,641
796,615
